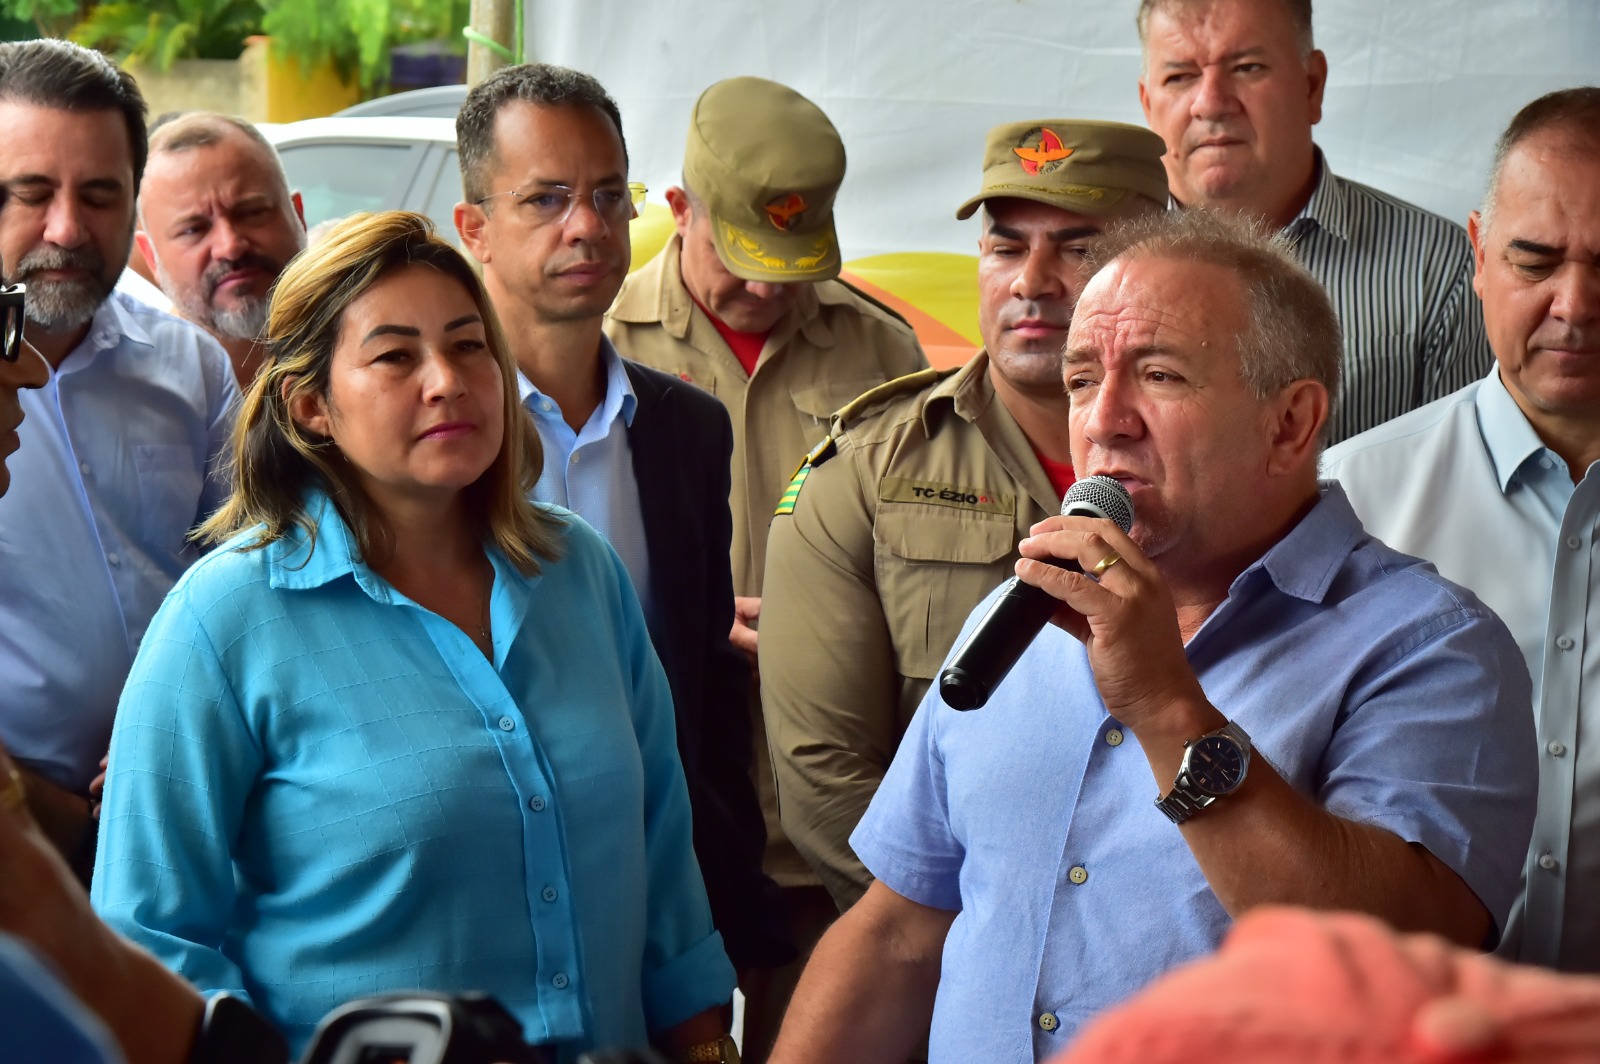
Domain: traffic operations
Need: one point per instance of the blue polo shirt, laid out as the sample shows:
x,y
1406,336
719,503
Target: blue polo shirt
x,y
1374,686
320,791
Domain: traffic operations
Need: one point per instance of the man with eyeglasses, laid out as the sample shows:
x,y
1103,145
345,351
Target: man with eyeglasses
x,y
640,455
121,445
745,303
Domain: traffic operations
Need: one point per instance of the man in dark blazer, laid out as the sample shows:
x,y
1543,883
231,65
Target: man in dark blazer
x,y
639,454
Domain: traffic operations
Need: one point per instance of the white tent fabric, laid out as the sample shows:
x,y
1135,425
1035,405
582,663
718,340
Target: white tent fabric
x,y
1418,89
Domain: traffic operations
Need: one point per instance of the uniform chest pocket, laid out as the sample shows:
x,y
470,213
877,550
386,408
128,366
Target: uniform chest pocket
x,y
818,403
169,493
933,565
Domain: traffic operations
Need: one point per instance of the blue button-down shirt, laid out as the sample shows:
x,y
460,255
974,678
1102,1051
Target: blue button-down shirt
x,y
1466,483
590,472
111,475
1372,685
320,790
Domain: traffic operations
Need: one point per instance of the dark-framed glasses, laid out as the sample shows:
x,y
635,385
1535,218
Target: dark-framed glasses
x,y
12,299
552,204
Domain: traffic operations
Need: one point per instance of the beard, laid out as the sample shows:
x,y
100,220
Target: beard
x,y
58,306
242,321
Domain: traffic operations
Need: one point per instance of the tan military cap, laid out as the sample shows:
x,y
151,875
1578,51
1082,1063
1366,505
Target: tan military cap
x,y
1084,167
766,163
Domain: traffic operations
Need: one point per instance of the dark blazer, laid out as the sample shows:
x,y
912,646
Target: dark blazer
x,y
682,441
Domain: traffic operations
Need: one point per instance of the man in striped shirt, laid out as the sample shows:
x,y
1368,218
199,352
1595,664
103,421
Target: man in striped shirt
x,y
1234,87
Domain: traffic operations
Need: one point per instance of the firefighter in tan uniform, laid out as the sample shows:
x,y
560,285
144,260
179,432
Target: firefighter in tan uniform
x,y
912,510
744,302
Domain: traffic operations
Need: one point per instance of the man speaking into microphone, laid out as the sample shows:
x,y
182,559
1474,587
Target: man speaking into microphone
x,y
1247,700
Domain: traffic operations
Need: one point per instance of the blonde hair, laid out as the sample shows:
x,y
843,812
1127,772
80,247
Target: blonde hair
x,y
274,459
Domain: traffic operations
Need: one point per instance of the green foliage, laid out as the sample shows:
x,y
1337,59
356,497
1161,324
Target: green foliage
x,y
355,35
52,17
157,33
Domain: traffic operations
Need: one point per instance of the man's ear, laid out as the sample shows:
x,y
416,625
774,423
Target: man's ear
x,y
1317,75
308,409
1480,243
1299,412
471,222
682,211
142,239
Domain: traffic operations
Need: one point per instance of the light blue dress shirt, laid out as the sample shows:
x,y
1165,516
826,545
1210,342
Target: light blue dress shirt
x,y
41,1020
1372,685
590,472
320,791
116,465
1466,483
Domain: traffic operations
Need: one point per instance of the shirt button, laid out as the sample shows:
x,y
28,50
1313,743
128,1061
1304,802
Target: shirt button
x,y
1545,462
1048,1021
83,467
1564,642
507,724
536,803
1573,542
1548,862
1113,737
548,894
545,406
559,980
1557,749
575,457
114,558
1078,874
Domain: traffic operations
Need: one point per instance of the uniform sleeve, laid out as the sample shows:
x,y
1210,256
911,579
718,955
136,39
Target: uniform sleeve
x,y
183,763
906,839
686,969
1439,748
1456,349
829,689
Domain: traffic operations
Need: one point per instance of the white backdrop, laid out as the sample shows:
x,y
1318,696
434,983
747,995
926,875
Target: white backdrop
x,y
1418,89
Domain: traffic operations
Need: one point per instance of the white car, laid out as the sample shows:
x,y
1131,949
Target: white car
x,y
344,165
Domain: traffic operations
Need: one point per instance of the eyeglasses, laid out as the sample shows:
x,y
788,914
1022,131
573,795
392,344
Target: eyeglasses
x,y
552,204
12,298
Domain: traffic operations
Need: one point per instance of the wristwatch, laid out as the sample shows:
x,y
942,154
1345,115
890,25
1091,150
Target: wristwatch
x,y
1214,766
231,1032
721,1051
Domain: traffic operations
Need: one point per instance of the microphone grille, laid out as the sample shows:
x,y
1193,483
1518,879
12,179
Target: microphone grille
x,y
1104,496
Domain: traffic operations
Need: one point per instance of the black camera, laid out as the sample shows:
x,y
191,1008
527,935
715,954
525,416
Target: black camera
x,y
422,1028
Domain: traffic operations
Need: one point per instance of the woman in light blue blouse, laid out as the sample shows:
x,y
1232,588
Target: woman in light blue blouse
x,y
403,728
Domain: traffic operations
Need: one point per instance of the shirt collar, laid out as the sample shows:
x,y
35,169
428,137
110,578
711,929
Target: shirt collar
x,y
114,323
1305,562
1509,439
619,397
1326,208
296,562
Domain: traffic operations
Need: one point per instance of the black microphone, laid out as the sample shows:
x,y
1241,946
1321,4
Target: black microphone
x,y
1022,610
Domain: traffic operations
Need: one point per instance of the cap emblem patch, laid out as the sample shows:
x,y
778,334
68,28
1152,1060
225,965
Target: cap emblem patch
x,y
784,212
1044,156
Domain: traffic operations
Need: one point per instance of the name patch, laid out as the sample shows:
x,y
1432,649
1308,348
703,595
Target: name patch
x,y
904,489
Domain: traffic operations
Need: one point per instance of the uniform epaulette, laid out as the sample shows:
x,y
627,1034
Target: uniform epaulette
x,y
906,385
875,301
791,495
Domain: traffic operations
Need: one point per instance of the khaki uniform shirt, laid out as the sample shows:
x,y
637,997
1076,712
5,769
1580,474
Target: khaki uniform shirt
x,y
834,345
830,348
898,530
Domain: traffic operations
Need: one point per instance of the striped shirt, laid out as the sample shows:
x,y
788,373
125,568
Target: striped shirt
x,y
1400,279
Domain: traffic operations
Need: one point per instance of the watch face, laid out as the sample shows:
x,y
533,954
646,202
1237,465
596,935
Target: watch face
x,y
1216,764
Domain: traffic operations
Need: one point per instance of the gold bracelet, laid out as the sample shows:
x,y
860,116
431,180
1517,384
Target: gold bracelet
x,y
721,1051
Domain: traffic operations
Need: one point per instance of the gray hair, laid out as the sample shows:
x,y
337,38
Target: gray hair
x,y
1292,332
1574,112
185,131
1299,11
536,83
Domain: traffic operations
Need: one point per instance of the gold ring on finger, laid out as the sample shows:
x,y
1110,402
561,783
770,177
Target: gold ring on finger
x,y
15,793
1105,563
